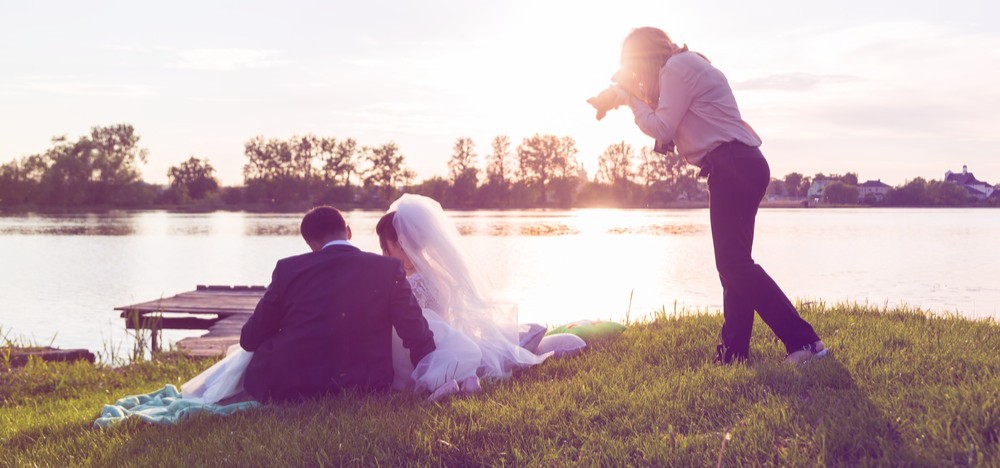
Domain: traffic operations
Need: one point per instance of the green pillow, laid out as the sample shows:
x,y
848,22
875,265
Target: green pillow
x,y
590,330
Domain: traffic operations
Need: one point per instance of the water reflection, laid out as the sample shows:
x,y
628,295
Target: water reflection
x,y
67,225
547,229
660,230
63,275
263,228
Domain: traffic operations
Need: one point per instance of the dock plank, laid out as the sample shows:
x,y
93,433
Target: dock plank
x,y
229,307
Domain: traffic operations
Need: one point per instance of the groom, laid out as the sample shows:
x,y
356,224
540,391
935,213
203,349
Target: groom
x,y
325,322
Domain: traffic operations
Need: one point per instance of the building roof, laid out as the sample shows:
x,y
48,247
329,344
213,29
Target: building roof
x,y
875,183
963,179
974,192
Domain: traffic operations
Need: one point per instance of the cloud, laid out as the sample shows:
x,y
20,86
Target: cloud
x,y
227,59
77,88
793,81
368,62
124,48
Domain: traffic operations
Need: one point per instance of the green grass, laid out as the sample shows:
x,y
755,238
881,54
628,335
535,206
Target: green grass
x,y
900,388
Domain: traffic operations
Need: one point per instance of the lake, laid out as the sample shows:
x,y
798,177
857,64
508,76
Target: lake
x,y
62,275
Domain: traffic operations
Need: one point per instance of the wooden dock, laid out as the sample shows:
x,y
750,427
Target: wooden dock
x,y
221,310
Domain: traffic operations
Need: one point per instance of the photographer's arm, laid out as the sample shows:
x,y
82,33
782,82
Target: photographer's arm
x,y
675,99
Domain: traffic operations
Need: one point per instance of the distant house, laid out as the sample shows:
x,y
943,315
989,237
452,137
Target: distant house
x,y
872,191
817,188
977,188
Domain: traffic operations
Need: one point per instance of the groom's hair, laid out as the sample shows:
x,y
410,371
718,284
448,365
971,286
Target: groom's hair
x,y
322,222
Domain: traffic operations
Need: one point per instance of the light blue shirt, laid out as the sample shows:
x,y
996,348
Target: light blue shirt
x,y
337,242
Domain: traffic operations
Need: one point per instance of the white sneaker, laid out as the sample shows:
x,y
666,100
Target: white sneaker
x,y
809,351
449,388
471,385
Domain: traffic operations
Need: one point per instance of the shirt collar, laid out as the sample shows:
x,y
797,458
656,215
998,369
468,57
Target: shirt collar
x,y
337,242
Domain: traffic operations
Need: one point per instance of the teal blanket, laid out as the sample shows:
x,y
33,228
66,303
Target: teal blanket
x,y
165,407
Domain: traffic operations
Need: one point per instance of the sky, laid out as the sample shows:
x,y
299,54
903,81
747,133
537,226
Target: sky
x,y
891,90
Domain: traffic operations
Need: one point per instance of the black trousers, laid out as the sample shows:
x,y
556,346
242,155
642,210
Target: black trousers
x,y
737,179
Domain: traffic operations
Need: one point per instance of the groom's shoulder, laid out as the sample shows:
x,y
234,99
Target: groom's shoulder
x,y
296,259
355,255
379,260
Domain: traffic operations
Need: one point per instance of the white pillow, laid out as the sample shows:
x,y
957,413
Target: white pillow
x,y
561,345
530,334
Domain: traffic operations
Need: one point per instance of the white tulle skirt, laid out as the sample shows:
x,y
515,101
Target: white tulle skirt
x,y
223,380
455,356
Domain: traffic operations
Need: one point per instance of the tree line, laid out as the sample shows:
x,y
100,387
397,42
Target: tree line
x,y
845,190
101,169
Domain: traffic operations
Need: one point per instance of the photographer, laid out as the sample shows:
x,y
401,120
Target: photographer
x,y
678,97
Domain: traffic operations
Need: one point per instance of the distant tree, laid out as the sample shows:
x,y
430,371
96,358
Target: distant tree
x,y
792,184
849,178
283,171
114,157
270,173
193,179
668,177
20,180
543,159
387,170
499,167
656,167
463,172
840,193
941,193
614,165
437,188
67,175
496,189
913,193
339,160
804,186
775,187
306,152
267,159
99,168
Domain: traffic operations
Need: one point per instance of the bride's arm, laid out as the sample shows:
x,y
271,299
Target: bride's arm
x,y
408,319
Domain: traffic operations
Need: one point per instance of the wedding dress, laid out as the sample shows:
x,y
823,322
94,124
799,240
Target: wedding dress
x,y
223,380
455,356
457,303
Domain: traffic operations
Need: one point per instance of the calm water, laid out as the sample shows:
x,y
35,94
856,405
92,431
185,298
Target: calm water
x,y
61,276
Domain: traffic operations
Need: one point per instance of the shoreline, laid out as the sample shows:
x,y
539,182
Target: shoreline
x,y
301,208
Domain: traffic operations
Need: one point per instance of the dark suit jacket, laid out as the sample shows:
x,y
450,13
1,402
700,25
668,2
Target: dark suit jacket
x,y
325,324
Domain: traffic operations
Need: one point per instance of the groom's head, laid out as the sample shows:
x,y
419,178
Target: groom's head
x,y
323,224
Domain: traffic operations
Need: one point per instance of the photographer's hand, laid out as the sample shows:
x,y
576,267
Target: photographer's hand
x,y
622,97
611,98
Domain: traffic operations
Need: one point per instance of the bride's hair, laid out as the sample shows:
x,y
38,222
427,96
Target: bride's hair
x,y
386,231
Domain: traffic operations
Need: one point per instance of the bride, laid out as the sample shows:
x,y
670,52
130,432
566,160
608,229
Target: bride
x,y
475,336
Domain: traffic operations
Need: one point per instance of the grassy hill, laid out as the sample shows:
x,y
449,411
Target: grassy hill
x,y
900,387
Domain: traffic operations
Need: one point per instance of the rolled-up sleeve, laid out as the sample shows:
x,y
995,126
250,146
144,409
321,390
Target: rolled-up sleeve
x,y
675,98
